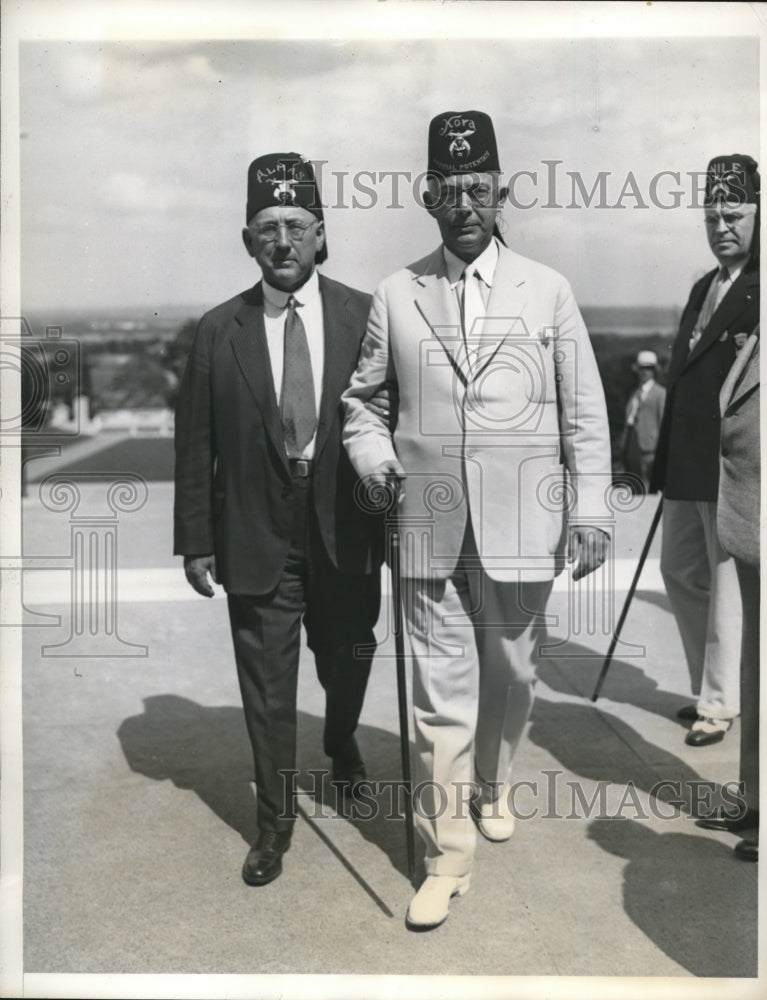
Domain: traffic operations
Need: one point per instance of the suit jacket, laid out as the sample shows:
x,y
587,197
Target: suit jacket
x,y
489,439
687,458
233,481
648,419
740,479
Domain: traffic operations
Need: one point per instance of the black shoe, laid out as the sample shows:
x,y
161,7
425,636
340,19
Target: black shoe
x,y
348,768
264,861
688,712
747,850
705,731
720,821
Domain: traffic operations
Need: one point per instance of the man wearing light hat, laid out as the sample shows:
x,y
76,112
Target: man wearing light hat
x,y
265,494
700,577
501,424
644,411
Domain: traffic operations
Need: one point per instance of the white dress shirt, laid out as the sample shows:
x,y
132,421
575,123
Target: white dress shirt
x,y
719,287
478,280
309,308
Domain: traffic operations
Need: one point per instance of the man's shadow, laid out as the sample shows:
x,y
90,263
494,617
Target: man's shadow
x,y
688,894
575,670
206,749
599,746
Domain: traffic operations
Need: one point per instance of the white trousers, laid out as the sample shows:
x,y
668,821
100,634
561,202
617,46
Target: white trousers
x,y
702,586
475,651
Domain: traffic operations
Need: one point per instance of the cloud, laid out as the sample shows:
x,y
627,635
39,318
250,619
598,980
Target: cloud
x,y
130,193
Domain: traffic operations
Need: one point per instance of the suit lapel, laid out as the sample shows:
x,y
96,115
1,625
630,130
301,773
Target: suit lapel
x,y
252,354
508,297
339,338
438,305
739,297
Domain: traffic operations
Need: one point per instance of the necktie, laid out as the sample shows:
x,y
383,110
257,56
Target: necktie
x,y
634,403
297,406
472,309
714,296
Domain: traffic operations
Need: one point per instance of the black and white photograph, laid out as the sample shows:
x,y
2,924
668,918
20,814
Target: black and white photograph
x,y
380,498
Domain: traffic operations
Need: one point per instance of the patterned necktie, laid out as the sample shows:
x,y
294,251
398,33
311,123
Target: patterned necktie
x,y
297,405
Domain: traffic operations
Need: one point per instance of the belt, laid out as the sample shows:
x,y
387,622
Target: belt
x,y
300,468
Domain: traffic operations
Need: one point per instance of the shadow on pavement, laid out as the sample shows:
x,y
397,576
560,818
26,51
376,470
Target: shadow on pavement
x,y
657,598
576,672
599,746
686,894
197,747
206,749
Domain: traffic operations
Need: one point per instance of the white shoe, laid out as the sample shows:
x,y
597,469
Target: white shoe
x,y
495,820
431,904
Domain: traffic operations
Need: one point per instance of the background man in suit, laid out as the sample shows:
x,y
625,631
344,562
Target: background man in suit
x,y
496,380
739,529
644,411
700,578
265,493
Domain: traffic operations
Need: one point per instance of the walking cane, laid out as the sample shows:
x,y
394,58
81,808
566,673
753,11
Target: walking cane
x,y
404,737
629,598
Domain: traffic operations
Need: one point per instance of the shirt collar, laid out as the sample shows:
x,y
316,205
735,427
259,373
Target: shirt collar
x,y
734,272
307,293
485,264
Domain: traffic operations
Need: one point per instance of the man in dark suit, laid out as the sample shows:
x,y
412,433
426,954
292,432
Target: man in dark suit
x,y
700,577
644,412
266,497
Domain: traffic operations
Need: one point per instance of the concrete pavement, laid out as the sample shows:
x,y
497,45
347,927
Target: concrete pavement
x,y
138,809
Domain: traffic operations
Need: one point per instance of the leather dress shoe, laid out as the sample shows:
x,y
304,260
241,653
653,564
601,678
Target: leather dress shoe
x,y
706,730
430,905
720,821
348,768
688,712
747,850
495,820
264,861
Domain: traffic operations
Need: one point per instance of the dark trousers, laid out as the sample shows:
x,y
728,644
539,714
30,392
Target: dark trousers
x,y
338,613
749,580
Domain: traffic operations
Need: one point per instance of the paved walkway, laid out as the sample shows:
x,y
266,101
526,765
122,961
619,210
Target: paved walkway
x,y
138,809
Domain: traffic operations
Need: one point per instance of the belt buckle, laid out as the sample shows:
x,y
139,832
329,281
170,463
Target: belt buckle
x,y
302,467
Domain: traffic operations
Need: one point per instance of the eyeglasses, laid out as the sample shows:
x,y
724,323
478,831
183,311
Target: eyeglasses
x,y
452,197
269,232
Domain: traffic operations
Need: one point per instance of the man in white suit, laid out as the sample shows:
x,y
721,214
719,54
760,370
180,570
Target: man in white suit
x,y
501,425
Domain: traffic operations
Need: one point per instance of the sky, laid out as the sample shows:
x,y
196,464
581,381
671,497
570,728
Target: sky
x,y
134,154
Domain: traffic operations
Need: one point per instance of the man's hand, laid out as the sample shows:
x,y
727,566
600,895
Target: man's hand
x,y
390,474
587,547
197,569
384,404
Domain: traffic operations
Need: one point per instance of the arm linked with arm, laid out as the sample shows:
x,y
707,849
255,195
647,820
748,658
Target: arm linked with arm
x,y
366,434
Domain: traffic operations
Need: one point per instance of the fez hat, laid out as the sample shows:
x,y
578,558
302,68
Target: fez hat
x,y
284,179
733,179
462,142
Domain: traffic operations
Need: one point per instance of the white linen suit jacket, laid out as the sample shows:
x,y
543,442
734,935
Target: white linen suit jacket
x,y
487,437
